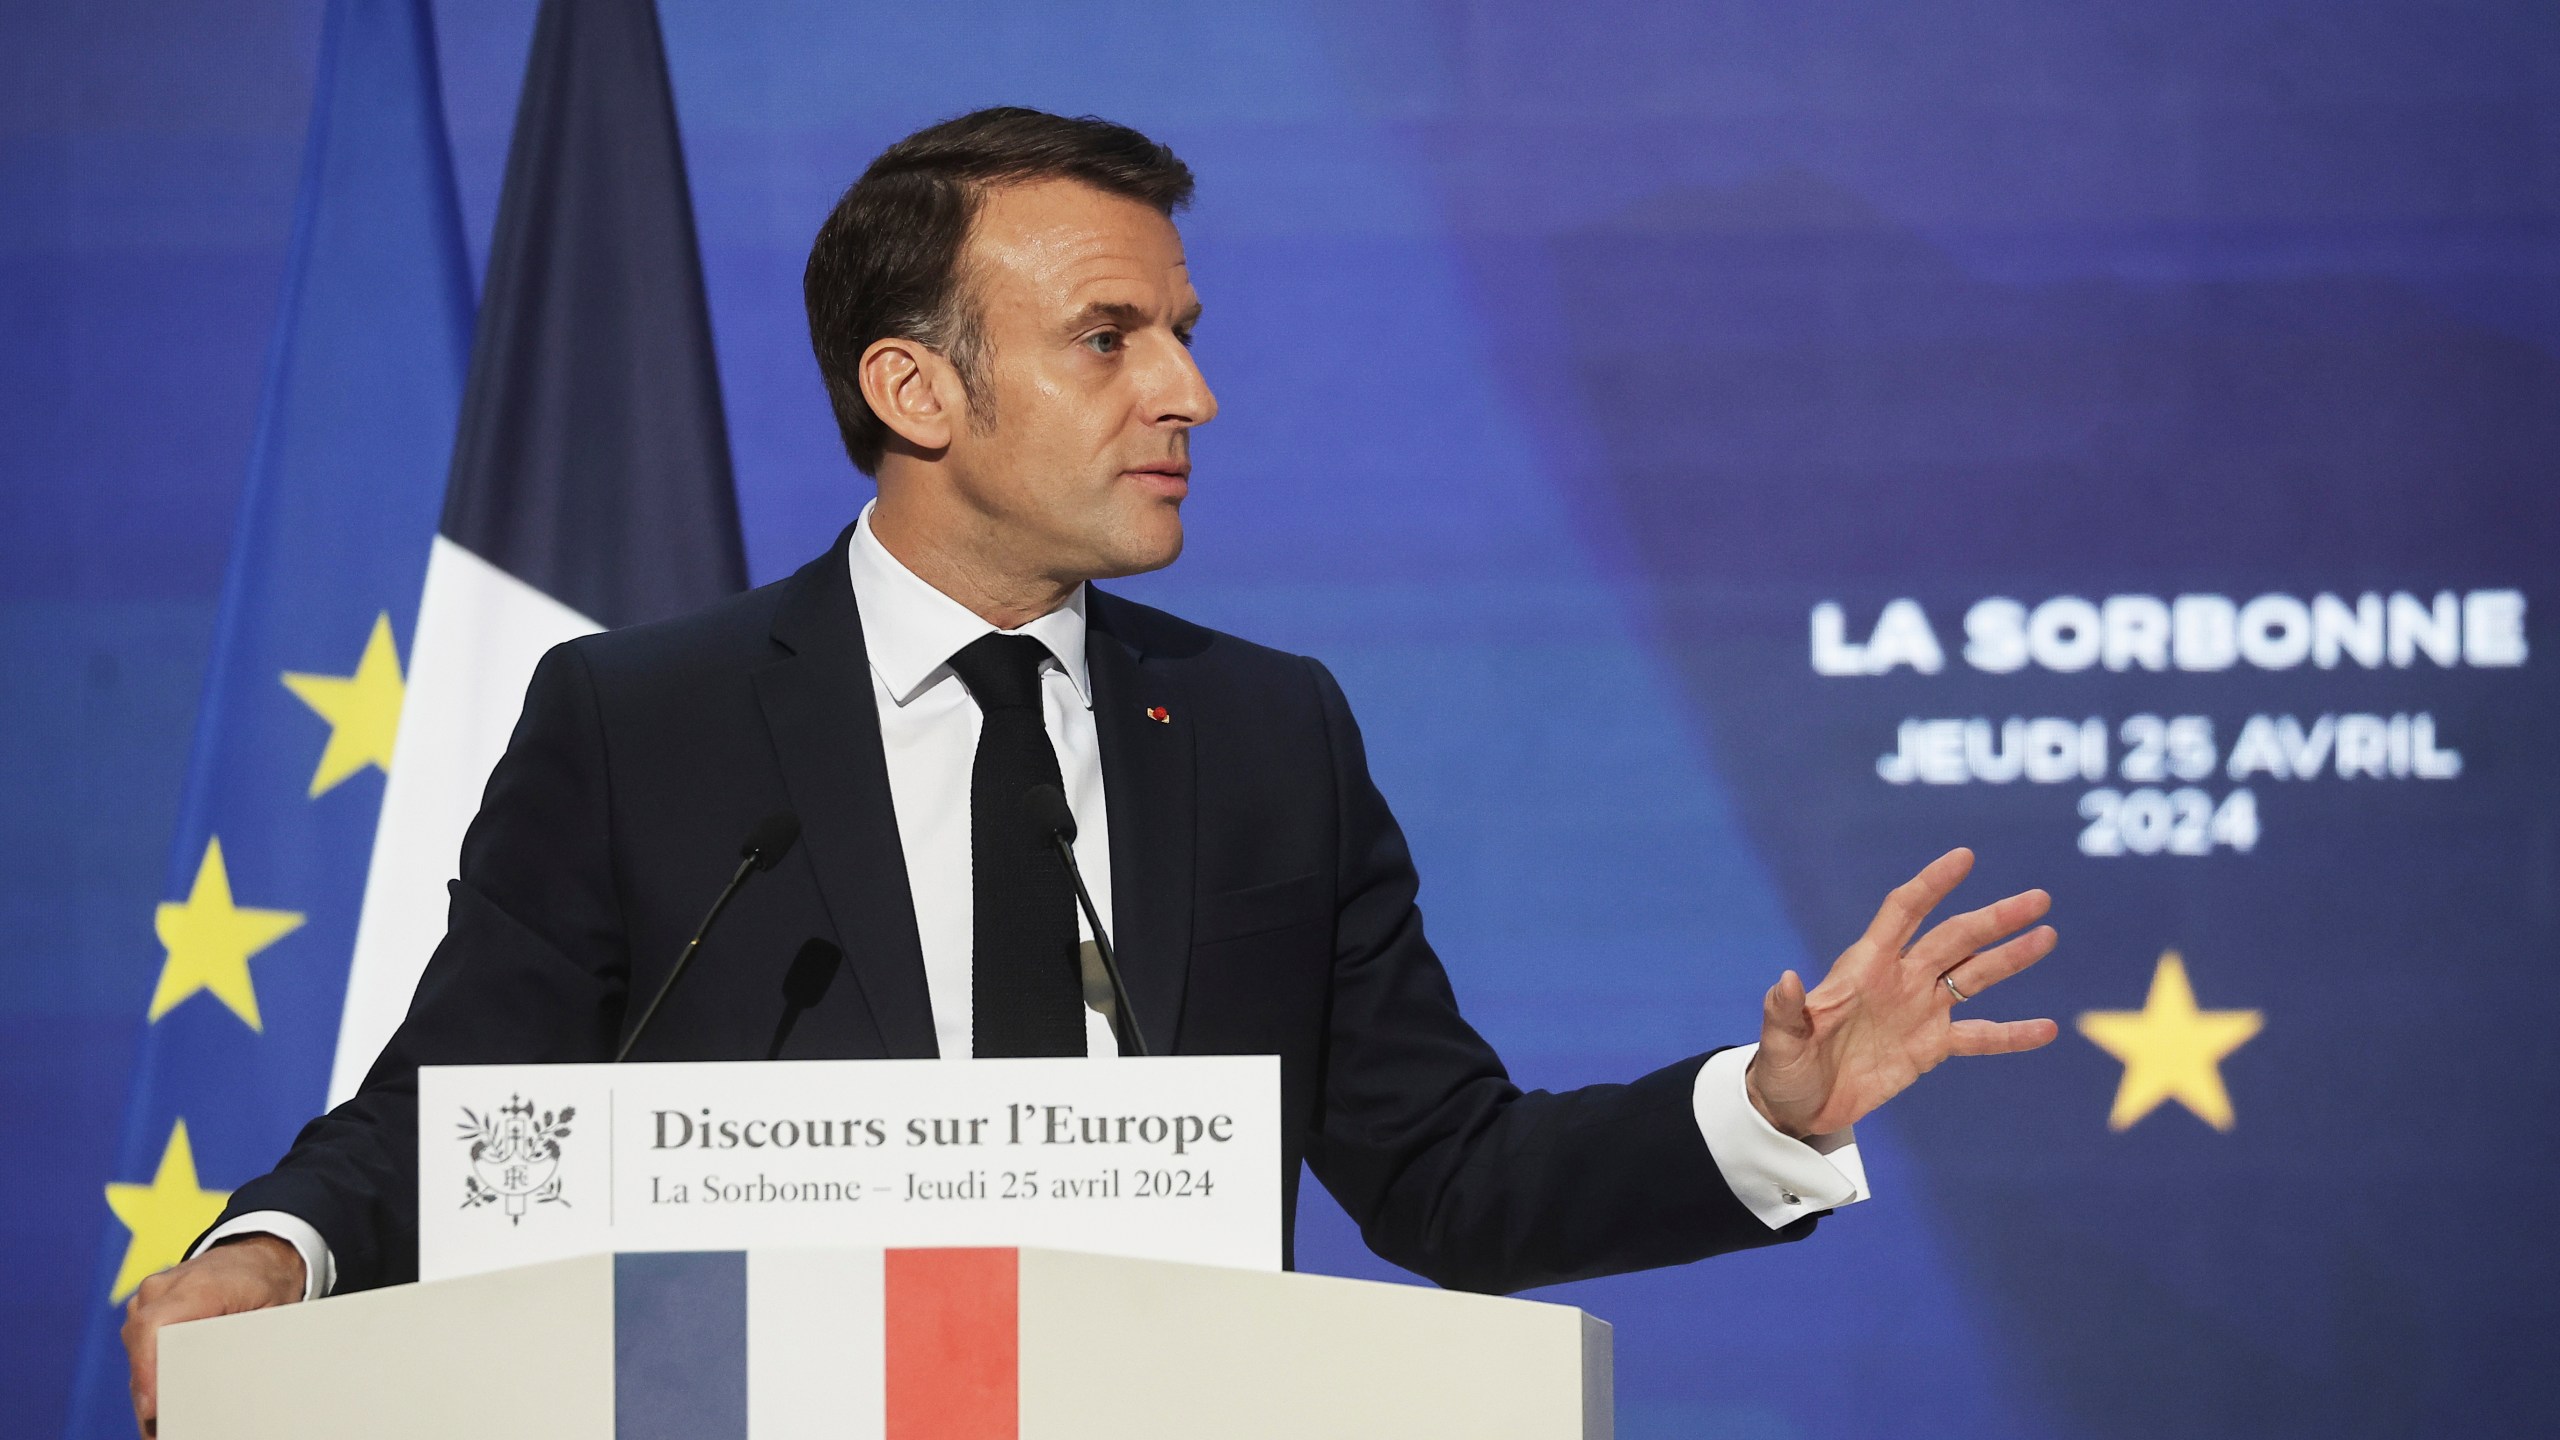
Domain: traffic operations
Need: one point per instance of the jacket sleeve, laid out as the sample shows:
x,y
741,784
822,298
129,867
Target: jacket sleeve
x,y
1450,1169
533,967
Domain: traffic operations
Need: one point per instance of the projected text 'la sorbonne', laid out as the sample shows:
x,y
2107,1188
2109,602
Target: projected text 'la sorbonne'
x,y
2156,781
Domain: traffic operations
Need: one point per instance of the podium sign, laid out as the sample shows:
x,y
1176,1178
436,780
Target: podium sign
x,y
1176,1158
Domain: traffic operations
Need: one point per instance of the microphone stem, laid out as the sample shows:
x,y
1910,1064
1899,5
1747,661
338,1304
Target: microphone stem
x,y
745,866
1124,1021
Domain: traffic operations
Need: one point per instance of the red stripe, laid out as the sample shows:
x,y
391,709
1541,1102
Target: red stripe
x,y
954,1351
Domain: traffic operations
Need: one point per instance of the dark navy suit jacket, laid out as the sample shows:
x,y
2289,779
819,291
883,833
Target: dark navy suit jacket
x,y
1263,901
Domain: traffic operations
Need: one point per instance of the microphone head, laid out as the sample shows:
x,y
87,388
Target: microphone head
x,y
1048,809
811,972
771,839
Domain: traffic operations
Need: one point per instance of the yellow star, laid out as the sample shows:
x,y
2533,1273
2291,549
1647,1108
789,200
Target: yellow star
x,y
363,709
2170,1049
210,940
164,1216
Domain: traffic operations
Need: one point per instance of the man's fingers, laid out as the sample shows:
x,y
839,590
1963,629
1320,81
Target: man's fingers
x,y
142,1349
235,1275
1999,1037
1911,901
1782,1009
1985,968
1960,935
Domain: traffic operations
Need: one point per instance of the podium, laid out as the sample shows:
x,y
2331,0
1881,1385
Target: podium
x,y
917,1344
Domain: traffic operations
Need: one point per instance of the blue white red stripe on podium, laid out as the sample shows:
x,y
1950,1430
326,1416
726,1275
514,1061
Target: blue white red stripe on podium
x,y
864,1345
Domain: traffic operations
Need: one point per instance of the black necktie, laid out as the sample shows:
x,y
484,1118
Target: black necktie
x,y
1029,991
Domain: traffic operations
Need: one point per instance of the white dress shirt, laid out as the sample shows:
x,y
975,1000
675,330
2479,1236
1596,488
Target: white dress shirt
x,y
929,734
929,730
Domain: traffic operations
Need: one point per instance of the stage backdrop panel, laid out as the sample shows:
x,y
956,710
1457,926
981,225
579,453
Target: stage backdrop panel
x,y
1729,454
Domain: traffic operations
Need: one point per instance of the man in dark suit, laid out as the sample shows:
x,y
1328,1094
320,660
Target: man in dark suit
x,y
1003,314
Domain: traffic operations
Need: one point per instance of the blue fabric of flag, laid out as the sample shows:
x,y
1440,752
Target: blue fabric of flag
x,y
345,483
593,461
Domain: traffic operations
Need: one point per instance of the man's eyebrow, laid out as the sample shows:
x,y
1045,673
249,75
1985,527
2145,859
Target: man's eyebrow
x,y
1111,312
1127,316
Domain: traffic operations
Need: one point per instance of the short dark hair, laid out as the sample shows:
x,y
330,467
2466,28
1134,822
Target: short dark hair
x,y
887,262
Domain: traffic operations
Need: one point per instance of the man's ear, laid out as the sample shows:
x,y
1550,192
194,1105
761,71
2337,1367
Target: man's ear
x,y
914,391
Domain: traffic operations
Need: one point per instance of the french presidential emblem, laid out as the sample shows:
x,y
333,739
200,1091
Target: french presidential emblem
x,y
515,1156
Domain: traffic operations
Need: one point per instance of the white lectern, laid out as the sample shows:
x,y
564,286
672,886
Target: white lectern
x,y
928,1344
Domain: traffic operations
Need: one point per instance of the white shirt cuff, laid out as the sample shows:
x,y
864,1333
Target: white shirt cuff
x,y
319,1267
1777,1177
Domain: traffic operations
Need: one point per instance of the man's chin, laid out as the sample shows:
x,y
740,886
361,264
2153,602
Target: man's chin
x,y
1158,545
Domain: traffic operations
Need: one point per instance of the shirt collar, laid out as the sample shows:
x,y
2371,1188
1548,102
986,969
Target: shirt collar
x,y
912,630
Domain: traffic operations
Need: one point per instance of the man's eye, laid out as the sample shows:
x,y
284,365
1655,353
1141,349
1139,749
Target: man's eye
x,y
1184,336
1104,342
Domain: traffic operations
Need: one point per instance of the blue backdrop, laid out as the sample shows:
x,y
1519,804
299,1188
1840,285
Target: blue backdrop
x,y
1683,390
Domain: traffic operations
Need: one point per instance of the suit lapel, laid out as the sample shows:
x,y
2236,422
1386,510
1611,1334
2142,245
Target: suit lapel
x,y
1147,781
825,727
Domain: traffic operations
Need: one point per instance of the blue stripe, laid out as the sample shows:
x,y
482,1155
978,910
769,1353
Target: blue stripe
x,y
680,1346
606,486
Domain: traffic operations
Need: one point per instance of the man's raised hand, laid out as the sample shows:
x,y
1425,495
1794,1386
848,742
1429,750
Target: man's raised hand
x,y
1880,1019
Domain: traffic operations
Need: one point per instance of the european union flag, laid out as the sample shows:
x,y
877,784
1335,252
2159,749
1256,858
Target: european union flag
x,y
303,692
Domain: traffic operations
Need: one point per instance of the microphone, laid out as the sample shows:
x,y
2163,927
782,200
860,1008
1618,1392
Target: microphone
x,y
766,845
804,985
1050,814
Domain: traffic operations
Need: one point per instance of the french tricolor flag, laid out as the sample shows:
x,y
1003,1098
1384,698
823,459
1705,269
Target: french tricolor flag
x,y
590,484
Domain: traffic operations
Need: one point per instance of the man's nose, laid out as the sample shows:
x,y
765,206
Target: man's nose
x,y
1181,395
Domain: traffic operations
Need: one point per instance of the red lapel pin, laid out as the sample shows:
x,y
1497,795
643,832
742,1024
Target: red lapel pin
x,y
1159,714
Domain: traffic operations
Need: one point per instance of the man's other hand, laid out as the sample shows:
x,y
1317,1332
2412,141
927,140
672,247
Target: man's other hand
x,y
250,1273
1881,1019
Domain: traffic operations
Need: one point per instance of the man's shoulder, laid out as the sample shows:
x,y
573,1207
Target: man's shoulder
x,y
732,638
729,637
1160,635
